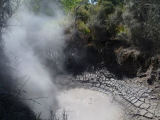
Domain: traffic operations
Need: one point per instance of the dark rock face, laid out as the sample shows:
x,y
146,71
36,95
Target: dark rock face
x,y
117,54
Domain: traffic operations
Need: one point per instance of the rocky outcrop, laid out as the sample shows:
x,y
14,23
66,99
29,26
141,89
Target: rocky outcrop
x,y
127,60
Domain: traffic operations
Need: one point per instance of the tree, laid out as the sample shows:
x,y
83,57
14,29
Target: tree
x,y
142,17
115,2
70,4
5,12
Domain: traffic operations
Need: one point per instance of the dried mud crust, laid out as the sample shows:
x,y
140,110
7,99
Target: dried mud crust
x,y
139,101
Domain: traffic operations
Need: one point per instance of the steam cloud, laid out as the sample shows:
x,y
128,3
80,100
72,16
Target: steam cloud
x,y
27,35
31,37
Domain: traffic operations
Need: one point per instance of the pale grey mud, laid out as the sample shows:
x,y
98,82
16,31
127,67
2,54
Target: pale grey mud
x,y
85,104
139,102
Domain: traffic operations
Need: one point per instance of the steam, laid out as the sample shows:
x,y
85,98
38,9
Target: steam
x,y
27,35
31,38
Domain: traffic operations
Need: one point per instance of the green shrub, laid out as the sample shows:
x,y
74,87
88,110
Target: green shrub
x,y
43,6
68,5
83,28
114,24
142,19
83,13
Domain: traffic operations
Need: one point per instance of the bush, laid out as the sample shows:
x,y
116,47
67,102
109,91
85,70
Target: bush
x,y
83,13
142,19
44,7
68,5
114,23
83,28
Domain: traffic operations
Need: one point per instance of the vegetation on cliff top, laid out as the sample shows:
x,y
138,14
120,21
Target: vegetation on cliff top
x,y
126,24
136,21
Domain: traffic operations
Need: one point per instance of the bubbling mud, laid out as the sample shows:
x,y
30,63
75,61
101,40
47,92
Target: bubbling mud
x,y
85,104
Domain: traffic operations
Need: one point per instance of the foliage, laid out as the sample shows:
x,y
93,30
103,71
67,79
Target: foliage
x,y
38,117
142,18
44,6
69,4
83,13
6,11
115,2
83,28
93,19
106,8
113,23
136,21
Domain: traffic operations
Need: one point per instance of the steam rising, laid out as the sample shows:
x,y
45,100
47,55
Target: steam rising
x,y
30,39
29,35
